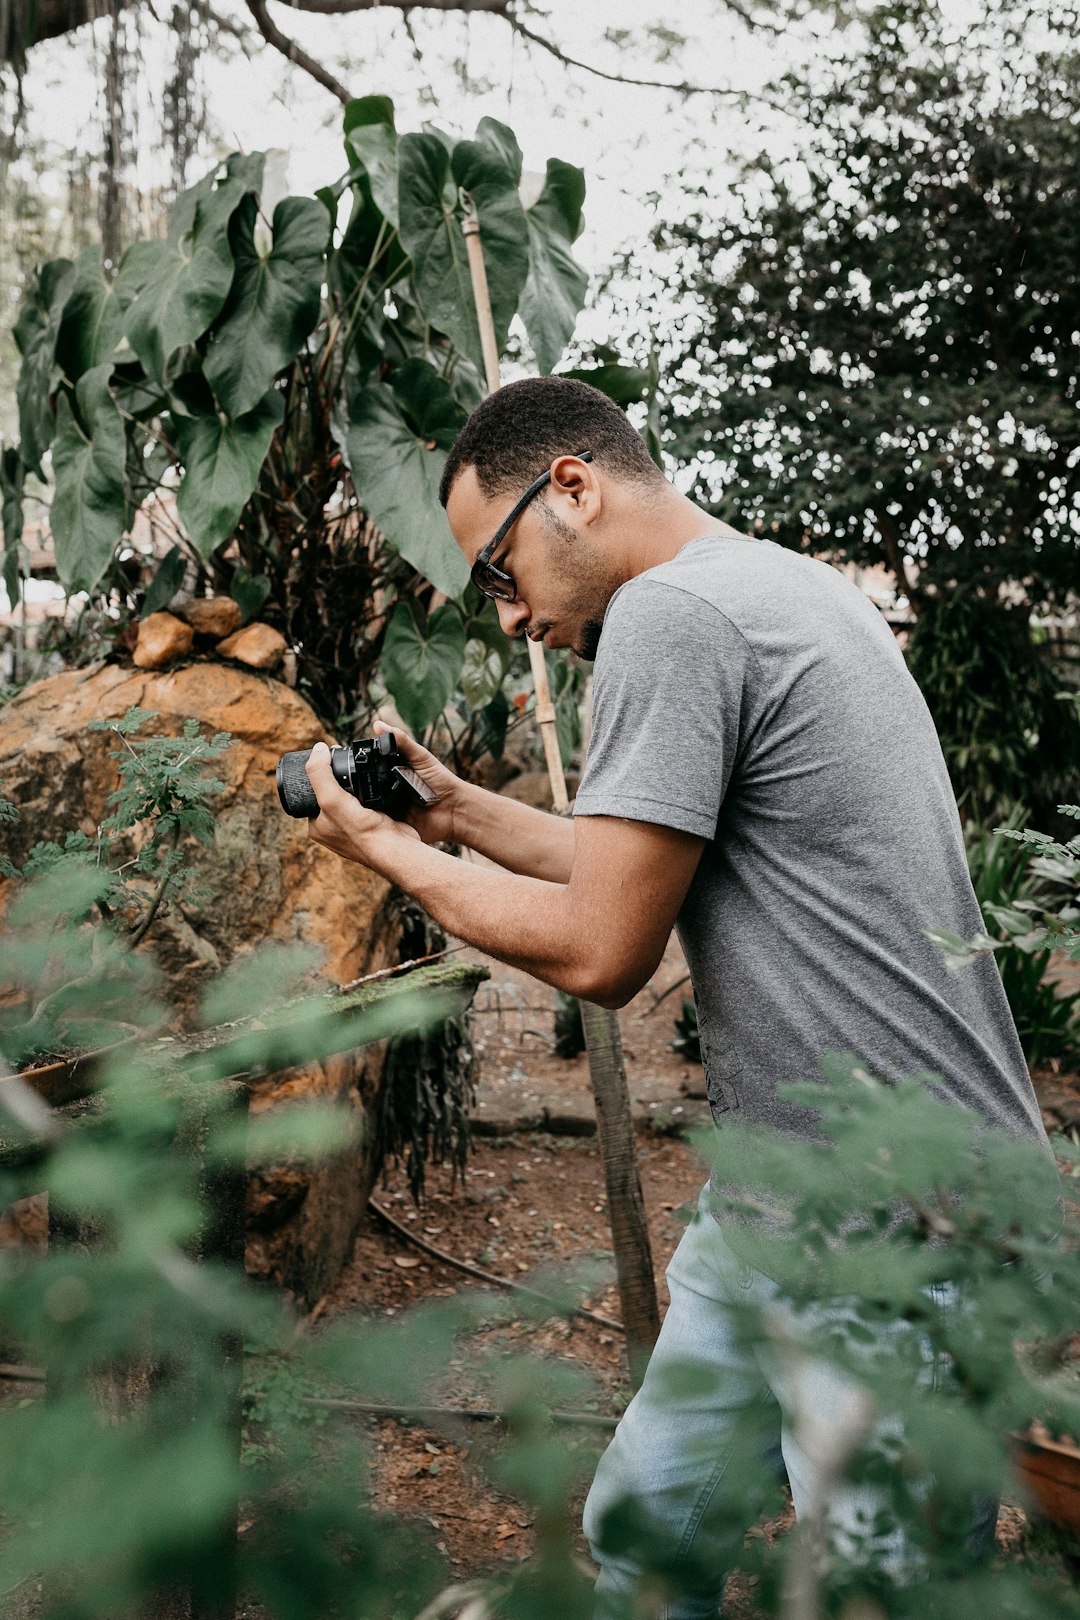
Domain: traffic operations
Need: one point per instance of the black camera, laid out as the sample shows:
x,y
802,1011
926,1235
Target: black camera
x,y
372,769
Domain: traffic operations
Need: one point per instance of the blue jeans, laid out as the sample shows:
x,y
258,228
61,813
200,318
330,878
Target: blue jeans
x,y
716,1400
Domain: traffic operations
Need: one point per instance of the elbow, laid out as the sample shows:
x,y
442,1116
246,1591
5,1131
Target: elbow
x,y
609,987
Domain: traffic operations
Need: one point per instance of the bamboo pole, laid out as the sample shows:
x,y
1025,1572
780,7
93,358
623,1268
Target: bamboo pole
x,y
545,709
607,1068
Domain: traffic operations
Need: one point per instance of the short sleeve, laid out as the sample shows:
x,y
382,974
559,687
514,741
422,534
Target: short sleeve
x,y
668,697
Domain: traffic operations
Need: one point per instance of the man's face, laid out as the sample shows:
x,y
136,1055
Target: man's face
x,y
563,581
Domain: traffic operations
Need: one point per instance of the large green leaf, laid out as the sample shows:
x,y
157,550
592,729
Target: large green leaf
x,y
503,139
421,662
396,444
35,334
12,477
89,507
183,283
624,384
488,171
273,303
431,235
92,322
482,672
371,141
627,385
221,466
430,221
555,290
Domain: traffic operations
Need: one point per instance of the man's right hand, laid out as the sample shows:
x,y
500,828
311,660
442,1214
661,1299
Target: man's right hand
x,y
435,824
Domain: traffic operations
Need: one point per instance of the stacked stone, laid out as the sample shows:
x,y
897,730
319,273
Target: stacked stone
x,y
213,621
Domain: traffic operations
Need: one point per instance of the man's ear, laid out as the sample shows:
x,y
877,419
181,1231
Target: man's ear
x,y
576,482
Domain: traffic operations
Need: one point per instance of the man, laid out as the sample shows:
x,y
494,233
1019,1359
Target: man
x,y
763,774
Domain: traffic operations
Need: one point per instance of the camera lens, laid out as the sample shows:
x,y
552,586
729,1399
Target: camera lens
x,y
294,789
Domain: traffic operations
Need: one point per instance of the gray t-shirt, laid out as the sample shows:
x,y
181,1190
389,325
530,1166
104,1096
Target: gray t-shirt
x,y
755,697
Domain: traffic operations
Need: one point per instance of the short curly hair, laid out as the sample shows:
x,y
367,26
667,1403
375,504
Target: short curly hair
x,y
518,431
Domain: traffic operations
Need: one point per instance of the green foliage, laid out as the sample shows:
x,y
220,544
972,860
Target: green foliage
x,y
569,1026
273,302
1007,730
119,1488
145,1483
392,434
687,1034
1028,885
297,389
875,352
223,458
945,1205
422,661
138,861
162,781
88,461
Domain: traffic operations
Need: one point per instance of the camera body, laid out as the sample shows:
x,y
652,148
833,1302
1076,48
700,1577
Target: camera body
x,y
372,769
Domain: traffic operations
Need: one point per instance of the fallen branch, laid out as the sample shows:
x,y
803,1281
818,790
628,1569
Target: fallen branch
x,y
402,967
479,1414
489,1276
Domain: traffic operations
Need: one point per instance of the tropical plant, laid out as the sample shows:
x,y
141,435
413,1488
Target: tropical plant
x,y
569,1026
687,1034
280,395
1028,886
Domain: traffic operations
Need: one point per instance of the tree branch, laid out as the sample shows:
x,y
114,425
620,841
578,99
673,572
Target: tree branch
x,y
52,18
552,49
290,49
894,554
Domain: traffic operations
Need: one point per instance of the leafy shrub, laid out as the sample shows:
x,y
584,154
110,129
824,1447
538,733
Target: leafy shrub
x,y
687,1035
1028,886
997,702
135,864
569,1027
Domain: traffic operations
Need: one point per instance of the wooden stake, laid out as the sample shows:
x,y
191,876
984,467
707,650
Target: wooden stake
x,y
545,709
607,1070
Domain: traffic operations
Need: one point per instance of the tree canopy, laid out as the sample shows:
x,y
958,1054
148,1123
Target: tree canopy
x,y
878,352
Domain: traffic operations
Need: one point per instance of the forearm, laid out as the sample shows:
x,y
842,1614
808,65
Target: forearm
x,y
533,843
528,922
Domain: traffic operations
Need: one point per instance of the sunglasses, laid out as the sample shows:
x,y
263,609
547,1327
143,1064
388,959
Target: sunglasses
x,y
495,582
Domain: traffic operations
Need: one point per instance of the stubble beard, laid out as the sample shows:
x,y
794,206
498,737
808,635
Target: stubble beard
x,y
590,639
592,579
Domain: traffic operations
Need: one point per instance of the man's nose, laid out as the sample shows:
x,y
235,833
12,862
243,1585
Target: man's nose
x,y
513,616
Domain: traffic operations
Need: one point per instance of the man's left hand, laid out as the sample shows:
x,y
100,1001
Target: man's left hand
x,y
343,823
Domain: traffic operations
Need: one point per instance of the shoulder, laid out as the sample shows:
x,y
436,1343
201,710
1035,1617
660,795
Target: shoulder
x,y
687,592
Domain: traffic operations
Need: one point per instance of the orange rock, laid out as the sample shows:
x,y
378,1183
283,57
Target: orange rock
x,y
215,616
258,645
162,639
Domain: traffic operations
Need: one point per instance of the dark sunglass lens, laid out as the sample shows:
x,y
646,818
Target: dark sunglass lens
x,y
494,582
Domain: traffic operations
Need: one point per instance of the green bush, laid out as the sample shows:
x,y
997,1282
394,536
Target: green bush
x,y
121,1487
1028,886
1008,732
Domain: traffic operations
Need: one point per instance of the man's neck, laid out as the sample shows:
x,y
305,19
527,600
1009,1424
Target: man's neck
x,y
658,534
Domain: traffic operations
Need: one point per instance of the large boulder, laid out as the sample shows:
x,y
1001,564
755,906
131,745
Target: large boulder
x,y
261,879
